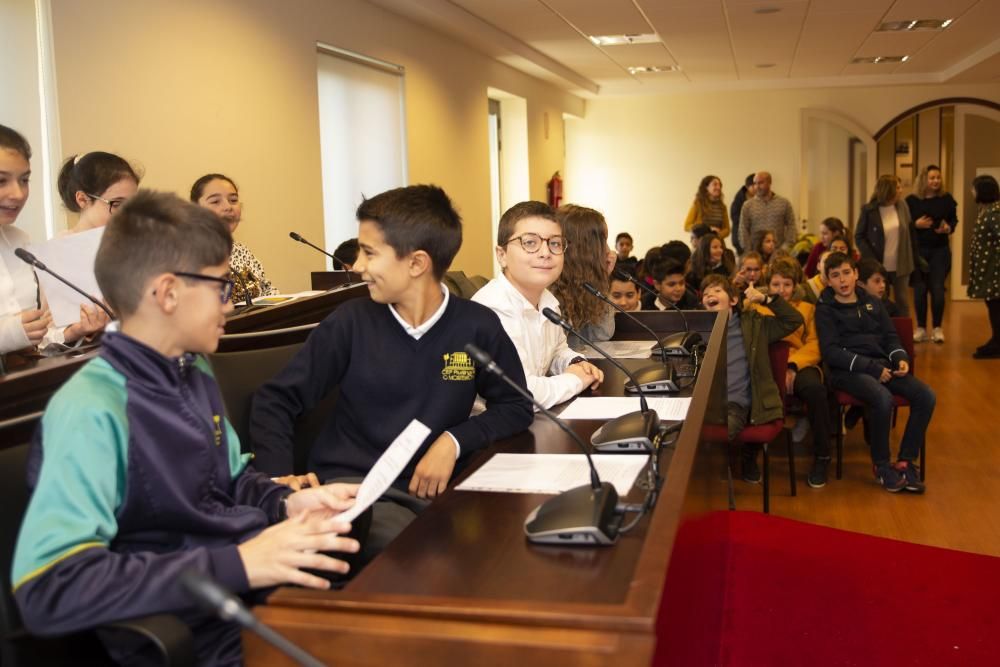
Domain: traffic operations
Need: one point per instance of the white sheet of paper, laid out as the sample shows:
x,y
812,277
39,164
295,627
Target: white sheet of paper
x,y
609,407
72,257
387,468
622,349
552,473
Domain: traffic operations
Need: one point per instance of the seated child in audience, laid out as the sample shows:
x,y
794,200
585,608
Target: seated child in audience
x,y
530,250
25,320
859,345
812,288
347,252
624,292
804,378
677,251
750,272
670,283
843,246
709,258
398,356
765,246
829,229
753,398
588,260
872,278
642,268
138,475
95,185
623,249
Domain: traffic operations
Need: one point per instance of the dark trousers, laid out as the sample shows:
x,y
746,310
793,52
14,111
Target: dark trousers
x,y
932,282
899,288
993,308
877,398
811,390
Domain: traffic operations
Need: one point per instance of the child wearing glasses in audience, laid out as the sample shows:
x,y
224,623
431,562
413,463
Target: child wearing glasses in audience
x,y
139,474
531,250
95,185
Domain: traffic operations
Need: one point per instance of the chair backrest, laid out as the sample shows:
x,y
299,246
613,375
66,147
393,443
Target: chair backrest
x,y
461,285
904,329
778,352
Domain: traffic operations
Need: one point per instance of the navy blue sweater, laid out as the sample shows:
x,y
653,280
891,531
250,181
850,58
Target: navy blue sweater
x,y
857,337
387,378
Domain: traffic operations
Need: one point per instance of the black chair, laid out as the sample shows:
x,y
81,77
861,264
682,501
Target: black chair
x,y
169,637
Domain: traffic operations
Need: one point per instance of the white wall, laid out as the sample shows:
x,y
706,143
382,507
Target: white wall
x,y
639,159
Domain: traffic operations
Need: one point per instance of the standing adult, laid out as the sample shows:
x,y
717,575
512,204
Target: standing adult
x,y
744,193
709,208
935,215
884,232
767,212
984,263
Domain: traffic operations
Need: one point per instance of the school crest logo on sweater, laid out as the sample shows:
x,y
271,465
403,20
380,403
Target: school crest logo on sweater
x,y
458,367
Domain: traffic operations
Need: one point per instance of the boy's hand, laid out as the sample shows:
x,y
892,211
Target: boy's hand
x,y
885,376
430,478
35,323
333,497
902,369
754,295
298,482
278,554
589,374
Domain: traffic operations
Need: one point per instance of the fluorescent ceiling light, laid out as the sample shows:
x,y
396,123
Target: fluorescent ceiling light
x,y
879,60
653,69
912,25
622,40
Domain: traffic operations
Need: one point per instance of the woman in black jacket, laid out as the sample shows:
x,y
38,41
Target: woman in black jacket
x,y
885,233
934,215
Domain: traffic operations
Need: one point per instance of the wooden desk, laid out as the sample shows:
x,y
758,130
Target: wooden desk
x,y
325,280
461,585
306,310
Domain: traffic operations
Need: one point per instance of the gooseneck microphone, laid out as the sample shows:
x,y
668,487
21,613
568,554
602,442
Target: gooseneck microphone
x,y
583,515
217,600
296,237
680,344
29,258
632,432
656,378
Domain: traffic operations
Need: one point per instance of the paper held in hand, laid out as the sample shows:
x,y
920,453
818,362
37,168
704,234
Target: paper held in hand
x,y
387,468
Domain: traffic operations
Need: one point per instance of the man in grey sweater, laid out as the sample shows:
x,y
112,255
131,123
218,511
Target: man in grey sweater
x,y
767,212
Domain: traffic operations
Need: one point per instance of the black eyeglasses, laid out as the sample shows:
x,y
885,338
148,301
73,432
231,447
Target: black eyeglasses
x,y
113,204
225,285
532,243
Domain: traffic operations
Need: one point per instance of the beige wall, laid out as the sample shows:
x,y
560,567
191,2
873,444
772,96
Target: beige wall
x,y
639,159
191,86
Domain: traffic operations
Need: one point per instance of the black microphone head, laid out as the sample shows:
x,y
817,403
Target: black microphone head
x,y
478,355
553,316
24,255
295,237
593,290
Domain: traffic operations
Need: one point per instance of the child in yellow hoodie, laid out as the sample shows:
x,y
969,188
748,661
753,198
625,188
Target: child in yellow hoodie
x,y
804,379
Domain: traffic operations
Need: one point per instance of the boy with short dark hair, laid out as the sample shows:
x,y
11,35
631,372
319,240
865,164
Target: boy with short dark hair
x,y
396,357
138,475
623,250
872,278
859,344
669,281
623,292
753,397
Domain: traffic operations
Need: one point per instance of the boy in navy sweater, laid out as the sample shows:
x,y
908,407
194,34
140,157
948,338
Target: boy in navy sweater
x,y
860,346
396,357
138,476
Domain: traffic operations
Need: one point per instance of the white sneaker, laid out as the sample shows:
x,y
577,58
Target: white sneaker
x,y
938,335
920,335
800,429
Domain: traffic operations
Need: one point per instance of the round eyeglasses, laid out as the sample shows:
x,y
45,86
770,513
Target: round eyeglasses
x,y
532,243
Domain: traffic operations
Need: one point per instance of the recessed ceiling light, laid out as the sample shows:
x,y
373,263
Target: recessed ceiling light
x,y
914,25
767,10
653,69
879,60
764,65
622,40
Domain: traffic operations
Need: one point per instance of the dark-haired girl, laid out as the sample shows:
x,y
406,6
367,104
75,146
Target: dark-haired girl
x,y
94,185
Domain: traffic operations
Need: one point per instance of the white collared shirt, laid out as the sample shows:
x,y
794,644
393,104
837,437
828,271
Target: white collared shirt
x,y
419,330
19,291
541,345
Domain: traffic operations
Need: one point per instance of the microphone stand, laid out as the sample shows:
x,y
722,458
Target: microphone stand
x,y
29,258
679,344
339,262
584,515
632,432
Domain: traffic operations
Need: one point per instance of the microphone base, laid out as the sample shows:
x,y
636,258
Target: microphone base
x,y
578,517
629,434
680,344
659,378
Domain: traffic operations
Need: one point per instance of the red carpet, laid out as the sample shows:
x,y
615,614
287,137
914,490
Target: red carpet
x,y
749,589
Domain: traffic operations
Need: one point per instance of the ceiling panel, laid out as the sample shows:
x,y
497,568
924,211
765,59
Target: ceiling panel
x,y
829,41
849,6
929,9
697,36
765,38
633,55
895,43
973,31
601,17
526,20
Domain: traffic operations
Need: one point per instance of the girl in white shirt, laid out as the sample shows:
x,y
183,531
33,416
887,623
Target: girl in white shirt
x,y
530,251
25,321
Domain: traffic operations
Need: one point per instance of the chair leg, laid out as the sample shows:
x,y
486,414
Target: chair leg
x,y
767,481
791,463
840,442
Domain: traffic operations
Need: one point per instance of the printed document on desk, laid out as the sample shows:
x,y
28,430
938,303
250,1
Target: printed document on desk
x,y
552,473
387,468
609,407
